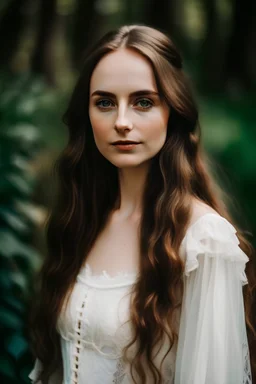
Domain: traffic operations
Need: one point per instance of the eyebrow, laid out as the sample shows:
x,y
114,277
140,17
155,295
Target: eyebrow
x,y
143,92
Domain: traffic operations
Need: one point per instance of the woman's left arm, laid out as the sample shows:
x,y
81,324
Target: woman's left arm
x,y
212,346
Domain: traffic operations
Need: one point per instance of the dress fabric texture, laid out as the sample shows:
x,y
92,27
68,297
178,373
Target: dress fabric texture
x,y
212,346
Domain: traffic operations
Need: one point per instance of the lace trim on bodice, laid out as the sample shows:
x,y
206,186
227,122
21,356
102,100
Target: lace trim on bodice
x,y
104,280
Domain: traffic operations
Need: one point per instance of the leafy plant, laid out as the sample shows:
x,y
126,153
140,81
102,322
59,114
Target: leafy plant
x,y
20,142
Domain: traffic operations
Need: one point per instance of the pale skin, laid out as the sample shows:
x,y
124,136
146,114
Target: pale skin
x,y
118,112
124,116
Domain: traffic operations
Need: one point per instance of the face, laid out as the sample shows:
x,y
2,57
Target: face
x,y
125,105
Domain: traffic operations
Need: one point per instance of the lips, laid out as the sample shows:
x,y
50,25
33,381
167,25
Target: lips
x,y
125,142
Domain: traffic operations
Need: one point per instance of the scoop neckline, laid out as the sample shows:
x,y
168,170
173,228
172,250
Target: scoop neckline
x,y
104,273
131,274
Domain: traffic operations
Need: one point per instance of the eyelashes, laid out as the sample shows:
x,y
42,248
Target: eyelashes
x,y
102,103
106,104
149,105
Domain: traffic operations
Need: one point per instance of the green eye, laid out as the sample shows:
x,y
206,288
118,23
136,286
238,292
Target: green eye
x,y
142,103
104,103
145,103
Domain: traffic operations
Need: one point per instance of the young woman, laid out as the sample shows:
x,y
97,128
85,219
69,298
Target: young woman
x,y
145,276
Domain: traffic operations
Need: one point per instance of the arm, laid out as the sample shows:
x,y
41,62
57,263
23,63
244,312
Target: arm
x,y
212,346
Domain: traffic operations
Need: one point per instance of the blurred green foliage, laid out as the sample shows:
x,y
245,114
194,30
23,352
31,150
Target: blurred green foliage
x,y
20,143
229,136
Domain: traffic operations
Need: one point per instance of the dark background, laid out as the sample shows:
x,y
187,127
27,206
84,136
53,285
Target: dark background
x,y
41,51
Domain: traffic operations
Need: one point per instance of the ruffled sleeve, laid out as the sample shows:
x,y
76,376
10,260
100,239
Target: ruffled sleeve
x,y
212,345
56,377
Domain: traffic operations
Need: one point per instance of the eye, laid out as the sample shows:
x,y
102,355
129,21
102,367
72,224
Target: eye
x,y
145,103
104,103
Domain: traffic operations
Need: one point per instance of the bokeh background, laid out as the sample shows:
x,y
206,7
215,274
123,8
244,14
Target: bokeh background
x,y
41,52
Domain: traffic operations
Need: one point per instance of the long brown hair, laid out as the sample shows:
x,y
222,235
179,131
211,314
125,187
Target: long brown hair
x,y
89,189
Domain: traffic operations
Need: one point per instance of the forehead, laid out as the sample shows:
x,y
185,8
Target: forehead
x,y
124,70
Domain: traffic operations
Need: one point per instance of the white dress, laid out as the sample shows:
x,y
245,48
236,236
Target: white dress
x,y
212,347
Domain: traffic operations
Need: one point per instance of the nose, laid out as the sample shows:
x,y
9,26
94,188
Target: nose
x,y
123,122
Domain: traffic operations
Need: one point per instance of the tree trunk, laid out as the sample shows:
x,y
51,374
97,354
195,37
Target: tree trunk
x,y
82,30
238,53
11,26
212,50
161,15
42,61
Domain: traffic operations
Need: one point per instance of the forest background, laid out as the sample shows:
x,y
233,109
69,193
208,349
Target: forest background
x,y
41,52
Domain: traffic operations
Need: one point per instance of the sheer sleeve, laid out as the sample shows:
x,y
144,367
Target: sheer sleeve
x,y
56,377
213,346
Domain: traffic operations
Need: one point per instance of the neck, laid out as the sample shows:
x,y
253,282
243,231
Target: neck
x,y
131,183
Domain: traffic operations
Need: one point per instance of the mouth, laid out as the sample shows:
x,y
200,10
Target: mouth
x,y
125,142
125,146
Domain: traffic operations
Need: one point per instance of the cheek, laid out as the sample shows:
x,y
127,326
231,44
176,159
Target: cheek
x,y
156,127
99,125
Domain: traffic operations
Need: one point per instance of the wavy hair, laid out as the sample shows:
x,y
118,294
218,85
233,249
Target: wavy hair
x,y
89,190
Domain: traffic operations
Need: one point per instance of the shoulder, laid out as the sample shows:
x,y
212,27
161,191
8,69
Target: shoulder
x,y
199,209
206,223
211,235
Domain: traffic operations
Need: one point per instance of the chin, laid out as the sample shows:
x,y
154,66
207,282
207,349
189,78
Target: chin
x,y
130,163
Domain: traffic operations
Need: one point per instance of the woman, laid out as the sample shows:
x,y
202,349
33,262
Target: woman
x,y
144,277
